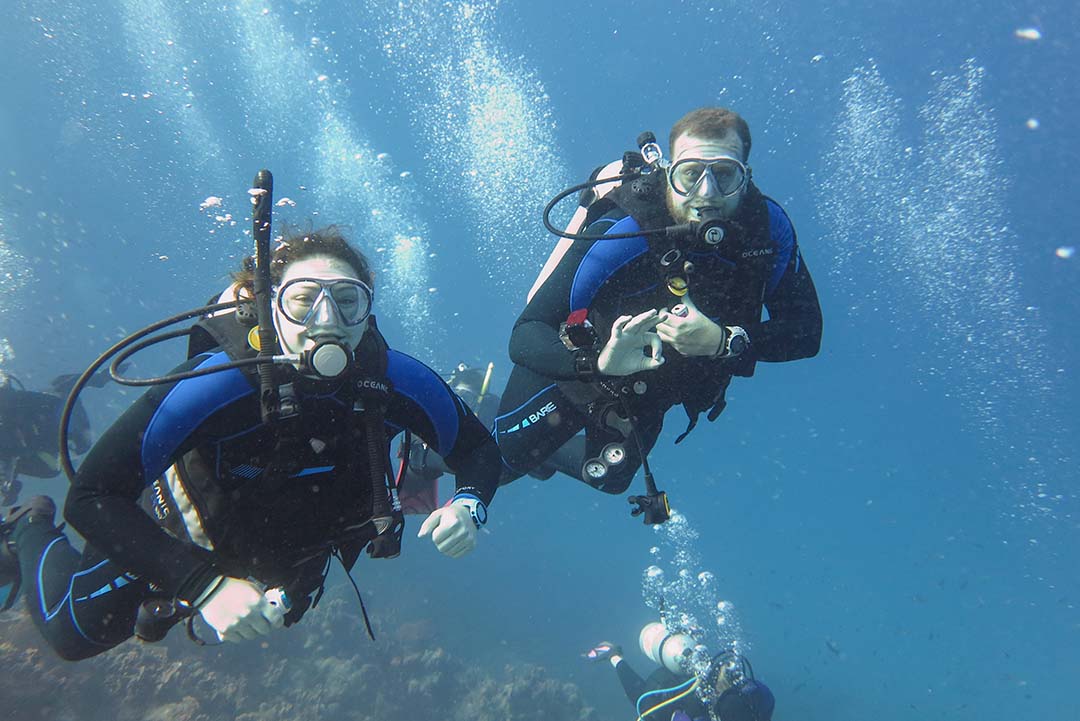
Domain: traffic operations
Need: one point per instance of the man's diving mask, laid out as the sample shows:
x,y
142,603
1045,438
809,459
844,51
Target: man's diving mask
x,y
302,300
724,176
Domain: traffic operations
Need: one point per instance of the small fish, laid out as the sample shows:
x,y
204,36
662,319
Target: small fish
x,y
832,646
1028,33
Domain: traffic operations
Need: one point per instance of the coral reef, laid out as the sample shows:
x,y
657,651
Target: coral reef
x,y
314,671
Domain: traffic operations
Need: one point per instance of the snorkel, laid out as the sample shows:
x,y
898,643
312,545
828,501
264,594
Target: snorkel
x,y
262,190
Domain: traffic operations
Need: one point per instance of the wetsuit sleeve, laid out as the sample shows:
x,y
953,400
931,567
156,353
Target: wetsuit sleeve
x,y
102,505
535,342
632,683
424,404
793,330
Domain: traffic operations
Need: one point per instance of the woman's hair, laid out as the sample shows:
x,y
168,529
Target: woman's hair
x,y
296,245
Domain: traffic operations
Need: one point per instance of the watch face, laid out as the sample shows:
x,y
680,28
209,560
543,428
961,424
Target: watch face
x,y
738,344
479,512
582,336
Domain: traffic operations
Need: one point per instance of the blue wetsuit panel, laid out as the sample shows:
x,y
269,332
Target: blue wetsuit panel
x,y
782,234
185,407
422,386
602,260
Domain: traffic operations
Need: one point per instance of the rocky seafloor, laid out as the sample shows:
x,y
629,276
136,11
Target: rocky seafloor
x,y
306,672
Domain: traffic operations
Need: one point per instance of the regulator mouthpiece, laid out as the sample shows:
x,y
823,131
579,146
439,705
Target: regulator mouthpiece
x,y
710,226
328,359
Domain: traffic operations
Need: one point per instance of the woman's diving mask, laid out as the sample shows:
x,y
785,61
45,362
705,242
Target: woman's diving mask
x,y
322,320
313,301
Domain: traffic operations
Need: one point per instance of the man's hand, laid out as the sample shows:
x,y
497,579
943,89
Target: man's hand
x,y
689,331
624,353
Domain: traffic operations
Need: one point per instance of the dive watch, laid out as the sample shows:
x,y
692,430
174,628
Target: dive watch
x,y
734,343
578,332
477,509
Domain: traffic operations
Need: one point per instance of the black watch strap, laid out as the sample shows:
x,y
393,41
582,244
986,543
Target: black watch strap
x,y
585,364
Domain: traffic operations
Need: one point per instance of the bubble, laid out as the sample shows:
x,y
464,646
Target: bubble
x,y
502,127
350,177
16,272
930,223
683,593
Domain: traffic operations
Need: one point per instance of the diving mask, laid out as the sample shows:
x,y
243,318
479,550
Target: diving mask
x,y
303,300
724,176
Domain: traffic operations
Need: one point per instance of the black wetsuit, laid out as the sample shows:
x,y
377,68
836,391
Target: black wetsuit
x,y
29,421
188,484
661,686
549,399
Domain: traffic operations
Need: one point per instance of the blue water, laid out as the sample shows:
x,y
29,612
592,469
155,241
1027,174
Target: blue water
x,y
894,521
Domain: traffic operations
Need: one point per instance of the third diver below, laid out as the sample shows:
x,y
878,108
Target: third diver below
x,y
724,690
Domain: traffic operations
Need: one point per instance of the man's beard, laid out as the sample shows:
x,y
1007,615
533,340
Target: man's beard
x,y
728,207
680,214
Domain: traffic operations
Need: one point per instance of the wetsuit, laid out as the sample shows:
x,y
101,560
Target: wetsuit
x,y
660,686
189,484
28,429
551,396
748,700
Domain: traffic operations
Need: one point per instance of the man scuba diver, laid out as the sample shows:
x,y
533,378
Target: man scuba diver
x,y
658,303
725,691
28,423
200,504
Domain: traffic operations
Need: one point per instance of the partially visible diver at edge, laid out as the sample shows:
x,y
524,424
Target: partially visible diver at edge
x,y
28,423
